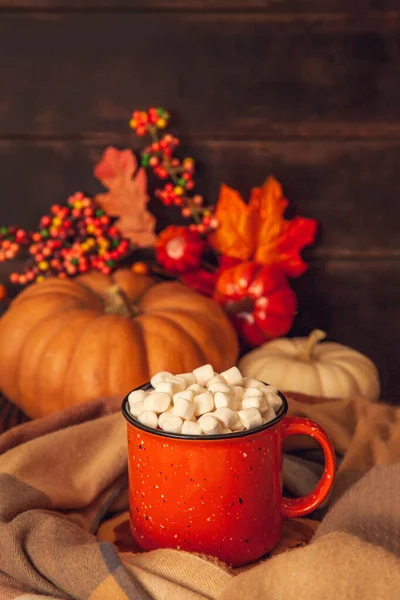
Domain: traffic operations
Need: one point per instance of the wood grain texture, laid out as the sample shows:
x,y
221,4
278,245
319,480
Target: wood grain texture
x,y
226,75
357,304
205,5
351,187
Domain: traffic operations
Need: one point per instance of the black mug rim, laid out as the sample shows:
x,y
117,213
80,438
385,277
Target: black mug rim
x,y
282,412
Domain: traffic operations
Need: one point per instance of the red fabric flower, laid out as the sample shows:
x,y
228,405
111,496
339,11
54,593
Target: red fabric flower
x,y
179,250
201,280
259,301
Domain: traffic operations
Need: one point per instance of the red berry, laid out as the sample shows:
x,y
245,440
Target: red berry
x,y
20,235
189,185
36,236
45,221
186,212
14,277
140,130
55,209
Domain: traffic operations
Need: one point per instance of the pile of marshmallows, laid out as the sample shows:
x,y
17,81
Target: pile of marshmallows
x,y
204,402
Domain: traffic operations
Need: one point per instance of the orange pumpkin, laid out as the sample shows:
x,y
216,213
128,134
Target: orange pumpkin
x,y
63,342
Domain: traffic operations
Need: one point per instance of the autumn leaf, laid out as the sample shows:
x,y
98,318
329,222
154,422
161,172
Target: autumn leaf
x,y
127,196
280,241
236,233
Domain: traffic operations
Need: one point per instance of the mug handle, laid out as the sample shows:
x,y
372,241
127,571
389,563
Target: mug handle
x,y
299,507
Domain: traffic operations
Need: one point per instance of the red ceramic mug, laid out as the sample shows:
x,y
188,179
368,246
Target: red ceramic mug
x,y
219,495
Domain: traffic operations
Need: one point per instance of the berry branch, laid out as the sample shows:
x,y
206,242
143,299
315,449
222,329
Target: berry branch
x,y
72,239
159,155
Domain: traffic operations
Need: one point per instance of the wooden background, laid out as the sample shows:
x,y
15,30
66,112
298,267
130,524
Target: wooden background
x,y
308,90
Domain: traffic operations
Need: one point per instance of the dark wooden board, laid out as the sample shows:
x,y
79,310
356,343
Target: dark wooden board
x,y
358,304
226,75
205,5
351,187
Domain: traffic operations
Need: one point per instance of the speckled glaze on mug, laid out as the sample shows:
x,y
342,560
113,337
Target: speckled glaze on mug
x,y
219,495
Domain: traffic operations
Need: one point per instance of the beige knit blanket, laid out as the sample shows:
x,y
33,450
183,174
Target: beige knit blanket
x,y
63,520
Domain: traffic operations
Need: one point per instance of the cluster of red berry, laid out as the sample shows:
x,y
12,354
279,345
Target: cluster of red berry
x,y
71,239
10,240
159,155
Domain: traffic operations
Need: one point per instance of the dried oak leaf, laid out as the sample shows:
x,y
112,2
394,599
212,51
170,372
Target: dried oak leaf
x,y
237,231
127,196
280,241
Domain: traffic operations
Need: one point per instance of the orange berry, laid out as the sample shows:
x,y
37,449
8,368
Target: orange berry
x,y
140,268
3,292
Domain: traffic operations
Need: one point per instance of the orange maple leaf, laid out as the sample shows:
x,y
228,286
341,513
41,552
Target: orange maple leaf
x,y
259,231
127,196
237,231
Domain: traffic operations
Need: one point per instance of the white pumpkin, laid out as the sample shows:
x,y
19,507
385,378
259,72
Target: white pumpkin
x,y
303,365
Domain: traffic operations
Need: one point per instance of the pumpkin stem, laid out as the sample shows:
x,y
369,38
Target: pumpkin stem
x,y
245,304
316,336
119,303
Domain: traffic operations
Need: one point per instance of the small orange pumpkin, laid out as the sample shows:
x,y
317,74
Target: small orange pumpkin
x,y
63,342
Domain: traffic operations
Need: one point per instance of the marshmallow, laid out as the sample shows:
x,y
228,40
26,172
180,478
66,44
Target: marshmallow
x,y
157,402
273,400
252,391
170,386
209,425
136,408
149,418
171,423
179,382
232,376
203,374
269,388
186,394
216,379
158,377
183,408
203,403
225,416
136,396
190,428
226,430
220,387
268,415
254,383
221,399
250,417
238,394
237,425
258,402
197,389
162,416
188,377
